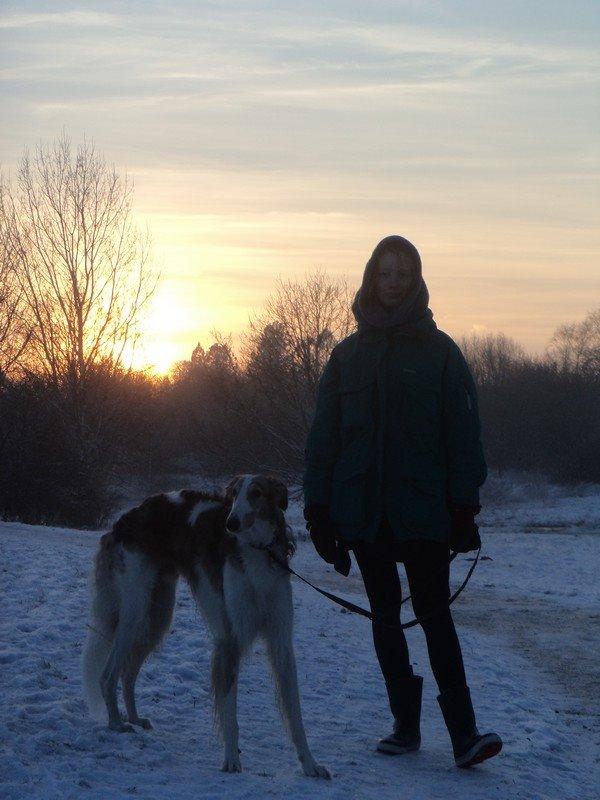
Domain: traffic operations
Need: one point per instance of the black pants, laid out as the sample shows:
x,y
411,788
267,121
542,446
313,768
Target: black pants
x,y
428,581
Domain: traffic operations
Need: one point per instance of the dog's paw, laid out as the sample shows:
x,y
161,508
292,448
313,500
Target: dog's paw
x,y
143,723
232,764
314,770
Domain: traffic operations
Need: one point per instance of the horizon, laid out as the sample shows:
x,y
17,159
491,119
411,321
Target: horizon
x,y
265,145
164,367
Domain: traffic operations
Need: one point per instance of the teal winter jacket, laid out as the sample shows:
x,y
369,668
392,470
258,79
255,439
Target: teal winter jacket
x,y
396,432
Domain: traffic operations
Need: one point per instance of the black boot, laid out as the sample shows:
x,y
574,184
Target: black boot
x,y
405,703
470,747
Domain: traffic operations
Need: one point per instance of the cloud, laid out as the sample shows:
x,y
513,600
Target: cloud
x,y
78,19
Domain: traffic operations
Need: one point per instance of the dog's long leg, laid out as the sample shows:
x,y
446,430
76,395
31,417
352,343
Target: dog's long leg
x,y
281,654
129,677
135,591
225,668
110,676
159,613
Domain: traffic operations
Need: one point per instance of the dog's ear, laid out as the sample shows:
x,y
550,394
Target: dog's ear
x,y
279,493
231,487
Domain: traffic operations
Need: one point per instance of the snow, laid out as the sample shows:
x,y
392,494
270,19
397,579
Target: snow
x,y
528,623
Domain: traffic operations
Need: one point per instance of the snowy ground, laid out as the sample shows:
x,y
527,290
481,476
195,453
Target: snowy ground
x,y
529,624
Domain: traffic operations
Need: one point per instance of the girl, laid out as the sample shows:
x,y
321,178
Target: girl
x,y
393,469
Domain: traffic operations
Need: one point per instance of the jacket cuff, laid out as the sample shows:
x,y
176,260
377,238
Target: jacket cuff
x,y
315,512
460,494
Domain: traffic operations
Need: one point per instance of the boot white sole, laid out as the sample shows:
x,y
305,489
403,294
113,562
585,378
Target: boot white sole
x,y
487,747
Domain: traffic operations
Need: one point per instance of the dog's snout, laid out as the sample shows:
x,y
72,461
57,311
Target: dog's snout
x,y
233,523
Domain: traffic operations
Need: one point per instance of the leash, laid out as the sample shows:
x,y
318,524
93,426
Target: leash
x,y
349,606
356,609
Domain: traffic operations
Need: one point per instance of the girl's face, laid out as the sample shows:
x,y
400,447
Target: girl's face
x,y
393,278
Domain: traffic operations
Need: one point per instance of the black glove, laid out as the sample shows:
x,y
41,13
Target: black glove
x,y
324,537
464,532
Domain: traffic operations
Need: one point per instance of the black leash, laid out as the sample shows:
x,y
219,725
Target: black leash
x,y
368,614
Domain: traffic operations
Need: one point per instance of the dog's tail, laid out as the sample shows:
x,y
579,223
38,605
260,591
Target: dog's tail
x,y
95,655
101,629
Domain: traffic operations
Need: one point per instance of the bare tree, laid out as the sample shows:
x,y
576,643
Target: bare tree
x,y
14,331
575,347
492,357
303,321
81,264
286,349
314,315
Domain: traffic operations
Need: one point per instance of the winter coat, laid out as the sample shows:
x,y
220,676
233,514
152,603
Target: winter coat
x,y
396,429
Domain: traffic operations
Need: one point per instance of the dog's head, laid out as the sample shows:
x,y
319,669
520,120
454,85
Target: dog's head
x,y
257,506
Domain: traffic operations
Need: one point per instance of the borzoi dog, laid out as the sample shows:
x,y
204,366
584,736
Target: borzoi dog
x,y
222,546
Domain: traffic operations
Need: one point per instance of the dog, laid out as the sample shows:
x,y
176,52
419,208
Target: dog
x,y
227,549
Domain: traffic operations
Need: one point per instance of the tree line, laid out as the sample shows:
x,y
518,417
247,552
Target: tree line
x,y
79,428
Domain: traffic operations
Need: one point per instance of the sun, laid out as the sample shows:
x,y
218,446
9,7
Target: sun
x,y
168,331
159,358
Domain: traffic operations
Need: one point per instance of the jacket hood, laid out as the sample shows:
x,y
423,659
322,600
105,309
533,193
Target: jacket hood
x,y
412,315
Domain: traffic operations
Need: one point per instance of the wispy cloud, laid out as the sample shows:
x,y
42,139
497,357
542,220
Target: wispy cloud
x,y
78,19
403,38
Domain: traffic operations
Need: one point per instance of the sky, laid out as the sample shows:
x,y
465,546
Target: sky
x,y
269,139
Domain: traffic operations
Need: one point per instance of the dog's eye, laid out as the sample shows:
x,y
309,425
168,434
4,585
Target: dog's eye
x,y
254,494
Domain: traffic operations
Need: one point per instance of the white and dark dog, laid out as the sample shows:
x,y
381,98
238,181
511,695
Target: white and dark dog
x,y
221,546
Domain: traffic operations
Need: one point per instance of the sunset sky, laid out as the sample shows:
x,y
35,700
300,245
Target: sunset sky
x,y
271,138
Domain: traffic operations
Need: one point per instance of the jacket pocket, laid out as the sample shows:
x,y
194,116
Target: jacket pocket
x,y
350,482
354,458
358,399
